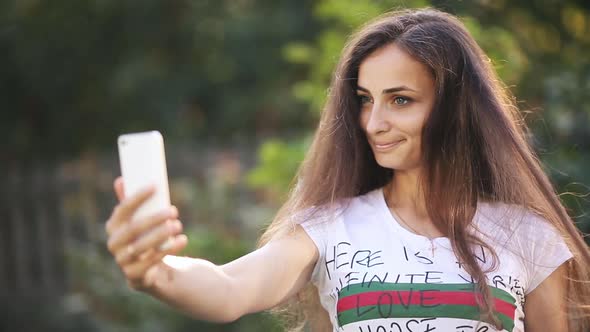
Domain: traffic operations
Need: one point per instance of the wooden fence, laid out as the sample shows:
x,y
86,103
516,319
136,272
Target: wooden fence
x,y
39,226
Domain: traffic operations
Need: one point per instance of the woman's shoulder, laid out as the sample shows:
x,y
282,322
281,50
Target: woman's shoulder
x,y
512,215
511,222
343,210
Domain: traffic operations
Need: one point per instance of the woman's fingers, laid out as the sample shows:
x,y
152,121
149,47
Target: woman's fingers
x,y
131,230
119,188
179,242
127,207
137,272
140,245
125,210
149,240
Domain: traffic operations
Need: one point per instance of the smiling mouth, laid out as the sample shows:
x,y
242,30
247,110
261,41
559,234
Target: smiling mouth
x,y
388,146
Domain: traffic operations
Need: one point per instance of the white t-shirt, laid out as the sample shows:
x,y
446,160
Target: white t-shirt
x,y
373,275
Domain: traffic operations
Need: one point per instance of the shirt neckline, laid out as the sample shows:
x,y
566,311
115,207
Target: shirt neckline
x,y
397,227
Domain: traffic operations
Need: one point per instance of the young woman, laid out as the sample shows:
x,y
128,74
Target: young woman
x,y
419,207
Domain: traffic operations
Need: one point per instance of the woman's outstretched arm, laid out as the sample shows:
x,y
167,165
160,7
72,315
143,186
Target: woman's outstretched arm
x,y
254,282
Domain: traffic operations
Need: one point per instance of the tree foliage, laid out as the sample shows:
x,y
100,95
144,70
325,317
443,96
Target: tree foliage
x,y
76,74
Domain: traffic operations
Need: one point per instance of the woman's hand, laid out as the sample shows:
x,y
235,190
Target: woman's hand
x,y
257,281
138,245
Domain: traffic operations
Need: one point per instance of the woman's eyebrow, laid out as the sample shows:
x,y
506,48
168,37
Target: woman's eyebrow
x,y
389,90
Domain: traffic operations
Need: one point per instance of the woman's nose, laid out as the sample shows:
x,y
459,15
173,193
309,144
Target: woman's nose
x,y
378,122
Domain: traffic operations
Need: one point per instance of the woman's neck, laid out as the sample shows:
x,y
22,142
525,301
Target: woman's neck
x,y
403,192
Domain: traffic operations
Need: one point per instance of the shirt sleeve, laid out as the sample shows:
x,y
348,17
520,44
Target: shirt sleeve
x,y
316,223
544,250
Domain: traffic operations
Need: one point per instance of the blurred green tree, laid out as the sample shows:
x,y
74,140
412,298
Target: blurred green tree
x,y
76,74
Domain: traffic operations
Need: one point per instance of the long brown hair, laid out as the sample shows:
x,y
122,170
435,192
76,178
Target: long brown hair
x,y
474,149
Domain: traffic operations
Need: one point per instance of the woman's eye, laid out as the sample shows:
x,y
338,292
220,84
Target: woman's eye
x,y
401,100
364,99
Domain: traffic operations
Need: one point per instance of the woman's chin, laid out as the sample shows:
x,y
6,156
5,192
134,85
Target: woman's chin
x,y
394,164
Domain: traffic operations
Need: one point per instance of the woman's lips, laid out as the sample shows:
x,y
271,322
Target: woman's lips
x,y
388,146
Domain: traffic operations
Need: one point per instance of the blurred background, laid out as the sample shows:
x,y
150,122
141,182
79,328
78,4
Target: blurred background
x,y
235,87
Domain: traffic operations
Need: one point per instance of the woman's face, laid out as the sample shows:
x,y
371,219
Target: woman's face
x,y
396,94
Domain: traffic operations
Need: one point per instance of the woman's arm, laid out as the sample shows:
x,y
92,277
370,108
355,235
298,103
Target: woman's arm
x,y
257,281
252,283
545,307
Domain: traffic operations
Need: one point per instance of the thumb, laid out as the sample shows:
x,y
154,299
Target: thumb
x,y
119,189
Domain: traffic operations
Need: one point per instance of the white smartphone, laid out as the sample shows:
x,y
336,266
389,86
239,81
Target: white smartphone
x,y
143,163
